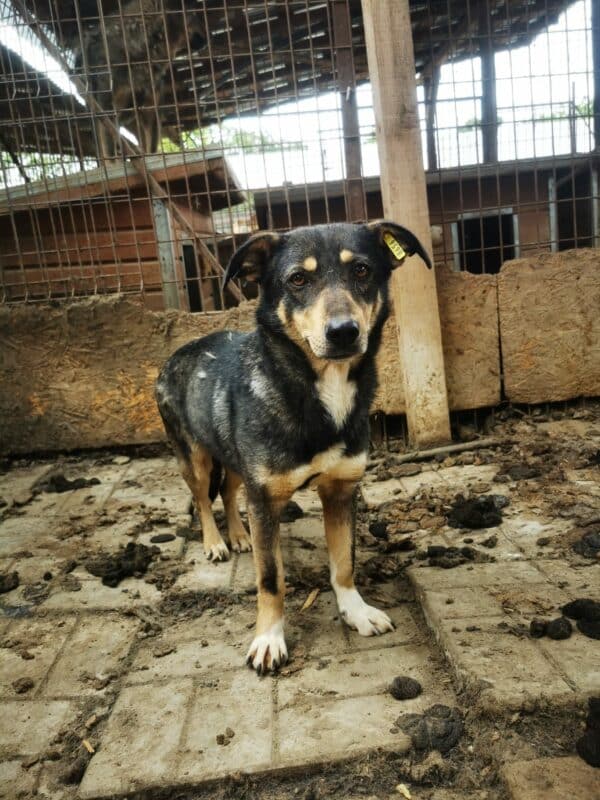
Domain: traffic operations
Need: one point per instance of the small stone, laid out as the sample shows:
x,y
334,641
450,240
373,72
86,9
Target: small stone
x,y
543,541
559,628
229,733
29,761
378,529
22,685
47,576
161,538
406,470
220,738
490,542
537,628
405,688
121,460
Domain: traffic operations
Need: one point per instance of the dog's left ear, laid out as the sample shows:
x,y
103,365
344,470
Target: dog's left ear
x,y
251,258
398,243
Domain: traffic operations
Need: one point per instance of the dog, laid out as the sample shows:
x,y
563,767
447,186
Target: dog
x,y
287,405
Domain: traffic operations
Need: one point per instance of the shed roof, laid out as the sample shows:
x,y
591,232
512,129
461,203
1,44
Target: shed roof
x,y
257,54
201,174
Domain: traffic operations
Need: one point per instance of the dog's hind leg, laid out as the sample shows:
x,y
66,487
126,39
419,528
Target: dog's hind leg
x,y
238,537
196,469
338,498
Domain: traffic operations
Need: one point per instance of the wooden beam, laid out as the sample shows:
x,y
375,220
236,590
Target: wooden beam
x,y
392,69
430,85
596,67
489,110
356,210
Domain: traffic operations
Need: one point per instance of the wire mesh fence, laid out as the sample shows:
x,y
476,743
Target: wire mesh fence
x,y
141,141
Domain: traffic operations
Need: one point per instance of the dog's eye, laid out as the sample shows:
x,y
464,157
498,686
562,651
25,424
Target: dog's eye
x,y
361,271
298,279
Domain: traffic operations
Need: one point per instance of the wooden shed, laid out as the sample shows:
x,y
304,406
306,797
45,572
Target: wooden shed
x,y
101,231
487,213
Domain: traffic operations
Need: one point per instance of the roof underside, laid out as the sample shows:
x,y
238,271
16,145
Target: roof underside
x,y
249,57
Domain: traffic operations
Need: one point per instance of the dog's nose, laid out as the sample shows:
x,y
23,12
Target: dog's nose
x,y
342,332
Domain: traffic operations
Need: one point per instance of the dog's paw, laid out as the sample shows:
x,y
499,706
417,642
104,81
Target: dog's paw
x,y
366,619
217,551
240,543
268,651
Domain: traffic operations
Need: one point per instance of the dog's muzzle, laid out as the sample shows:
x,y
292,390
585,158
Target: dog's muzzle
x,y
342,337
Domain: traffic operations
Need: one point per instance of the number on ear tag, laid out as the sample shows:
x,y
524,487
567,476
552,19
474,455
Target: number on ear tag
x,y
394,246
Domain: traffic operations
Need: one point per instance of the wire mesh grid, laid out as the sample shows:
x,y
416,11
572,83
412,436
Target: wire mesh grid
x,y
142,141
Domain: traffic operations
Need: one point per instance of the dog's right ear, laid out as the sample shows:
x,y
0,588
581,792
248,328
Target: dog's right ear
x,y
249,261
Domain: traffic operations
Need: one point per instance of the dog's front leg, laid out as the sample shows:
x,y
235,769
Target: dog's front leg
x,y
339,510
268,650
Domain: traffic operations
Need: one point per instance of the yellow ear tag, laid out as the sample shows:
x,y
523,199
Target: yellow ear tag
x,y
394,246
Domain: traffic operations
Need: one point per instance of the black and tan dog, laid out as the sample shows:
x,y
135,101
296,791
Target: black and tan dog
x,y
287,405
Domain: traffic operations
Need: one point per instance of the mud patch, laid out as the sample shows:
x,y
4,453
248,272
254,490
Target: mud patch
x,y
132,561
479,512
58,483
190,605
8,582
439,728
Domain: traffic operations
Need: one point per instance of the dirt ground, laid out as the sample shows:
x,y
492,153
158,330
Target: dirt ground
x,y
121,648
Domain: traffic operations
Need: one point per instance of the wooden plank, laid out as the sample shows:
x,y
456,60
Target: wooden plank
x,y
392,70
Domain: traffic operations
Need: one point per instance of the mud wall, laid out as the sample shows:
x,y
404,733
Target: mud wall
x,y
82,374
550,326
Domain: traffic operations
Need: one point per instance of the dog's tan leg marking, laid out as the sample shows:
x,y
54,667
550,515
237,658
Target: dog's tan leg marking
x,y
238,538
196,472
268,651
337,497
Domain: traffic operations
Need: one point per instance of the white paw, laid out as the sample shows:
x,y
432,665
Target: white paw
x,y
268,651
366,619
241,543
217,552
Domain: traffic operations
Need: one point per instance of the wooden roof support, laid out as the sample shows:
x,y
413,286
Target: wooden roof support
x,y
596,63
346,81
489,110
392,69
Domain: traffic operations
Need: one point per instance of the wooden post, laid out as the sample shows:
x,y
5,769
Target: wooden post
x,y
346,81
430,85
596,67
392,69
489,110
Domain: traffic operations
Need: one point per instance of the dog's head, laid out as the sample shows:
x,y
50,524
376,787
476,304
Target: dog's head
x,y
325,287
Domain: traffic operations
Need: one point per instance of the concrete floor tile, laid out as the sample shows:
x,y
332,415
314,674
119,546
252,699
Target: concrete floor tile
x,y
32,570
244,573
353,674
506,670
97,647
552,779
93,596
469,475
306,529
16,484
578,659
26,532
576,581
518,573
331,729
28,726
16,781
139,746
215,710
317,631
40,640
413,484
204,574
376,494
466,602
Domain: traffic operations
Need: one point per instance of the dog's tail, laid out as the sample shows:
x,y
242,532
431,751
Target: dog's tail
x,y
216,479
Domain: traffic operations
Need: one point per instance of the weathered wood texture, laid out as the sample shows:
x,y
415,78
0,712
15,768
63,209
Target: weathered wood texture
x,y
550,326
469,321
413,289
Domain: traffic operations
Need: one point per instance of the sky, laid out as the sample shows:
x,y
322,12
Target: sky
x,y
533,83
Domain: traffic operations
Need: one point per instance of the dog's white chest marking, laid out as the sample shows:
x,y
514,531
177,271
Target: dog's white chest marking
x,y
336,392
